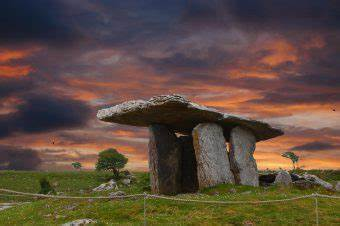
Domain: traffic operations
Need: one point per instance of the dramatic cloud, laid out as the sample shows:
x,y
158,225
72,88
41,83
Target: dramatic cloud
x,y
42,113
316,146
37,21
16,158
60,61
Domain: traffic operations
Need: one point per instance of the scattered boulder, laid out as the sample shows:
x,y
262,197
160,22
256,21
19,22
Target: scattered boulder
x,y
283,178
112,184
318,181
337,186
117,193
304,184
126,181
3,207
71,207
80,222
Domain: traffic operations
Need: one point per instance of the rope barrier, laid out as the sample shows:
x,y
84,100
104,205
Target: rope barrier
x,y
70,197
231,202
146,196
17,193
327,196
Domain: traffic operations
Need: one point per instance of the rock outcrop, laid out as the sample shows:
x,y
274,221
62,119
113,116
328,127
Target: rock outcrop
x,y
211,155
164,160
243,164
316,180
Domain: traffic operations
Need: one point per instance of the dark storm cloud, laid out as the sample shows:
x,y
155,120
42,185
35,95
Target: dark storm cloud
x,y
35,21
10,87
41,113
16,158
283,14
316,146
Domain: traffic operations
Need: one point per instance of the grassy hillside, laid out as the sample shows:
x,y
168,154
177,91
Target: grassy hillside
x,y
130,212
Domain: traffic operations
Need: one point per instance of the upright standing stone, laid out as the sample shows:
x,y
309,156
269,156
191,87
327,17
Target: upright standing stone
x,y
211,155
189,182
164,160
242,146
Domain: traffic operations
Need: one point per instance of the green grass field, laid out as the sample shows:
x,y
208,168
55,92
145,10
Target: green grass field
x,y
161,212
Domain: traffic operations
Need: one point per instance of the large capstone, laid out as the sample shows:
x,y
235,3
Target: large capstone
x,y
164,160
189,182
182,116
242,147
211,155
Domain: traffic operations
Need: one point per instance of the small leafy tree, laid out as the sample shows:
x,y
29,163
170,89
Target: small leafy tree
x,y
292,156
76,165
45,187
111,160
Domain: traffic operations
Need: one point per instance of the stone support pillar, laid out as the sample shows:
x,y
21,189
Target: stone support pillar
x,y
213,166
242,146
164,160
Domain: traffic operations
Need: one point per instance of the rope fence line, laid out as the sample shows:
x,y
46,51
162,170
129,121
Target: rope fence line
x,y
145,196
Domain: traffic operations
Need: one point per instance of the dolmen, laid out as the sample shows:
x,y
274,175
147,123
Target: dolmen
x,y
187,146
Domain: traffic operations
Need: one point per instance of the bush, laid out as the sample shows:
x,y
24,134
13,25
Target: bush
x,y
45,187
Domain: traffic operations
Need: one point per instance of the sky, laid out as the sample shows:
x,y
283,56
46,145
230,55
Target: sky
x,y
62,60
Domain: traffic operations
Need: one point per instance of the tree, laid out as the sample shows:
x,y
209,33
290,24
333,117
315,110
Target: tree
x,y
292,156
76,165
111,160
45,187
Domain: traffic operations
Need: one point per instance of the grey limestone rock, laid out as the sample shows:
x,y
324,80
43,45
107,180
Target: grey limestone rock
x,y
211,155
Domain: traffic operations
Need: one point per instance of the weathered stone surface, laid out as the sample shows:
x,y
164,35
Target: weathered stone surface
x,y
181,115
211,155
164,160
337,186
80,222
189,182
243,165
283,178
316,180
112,184
304,184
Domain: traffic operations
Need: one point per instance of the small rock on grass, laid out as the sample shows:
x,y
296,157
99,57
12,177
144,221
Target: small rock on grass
x,y
115,194
80,222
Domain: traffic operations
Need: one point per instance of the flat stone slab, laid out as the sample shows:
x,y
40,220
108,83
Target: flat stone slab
x,y
181,115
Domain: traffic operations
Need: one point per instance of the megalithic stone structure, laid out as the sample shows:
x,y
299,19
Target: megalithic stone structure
x,y
242,146
213,166
168,115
